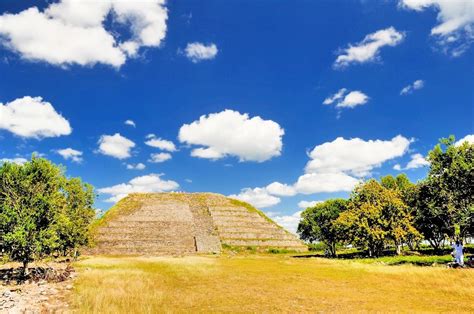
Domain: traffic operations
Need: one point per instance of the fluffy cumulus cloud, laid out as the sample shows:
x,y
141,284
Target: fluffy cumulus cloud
x,y
16,160
311,183
336,166
73,32
159,157
347,99
230,133
151,183
289,222
31,117
306,204
258,197
139,166
70,154
115,146
355,156
368,49
197,52
130,123
280,189
468,138
418,84
455,29
416,161
160,143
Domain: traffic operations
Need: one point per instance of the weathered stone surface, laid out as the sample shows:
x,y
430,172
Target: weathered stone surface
x,y
181,223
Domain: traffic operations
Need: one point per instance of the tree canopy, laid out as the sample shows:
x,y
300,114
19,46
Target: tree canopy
x,y
395,211
42,211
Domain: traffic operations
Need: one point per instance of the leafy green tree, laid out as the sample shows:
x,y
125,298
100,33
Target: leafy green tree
x,y
317,223
37,202
76,218
376,215
445,199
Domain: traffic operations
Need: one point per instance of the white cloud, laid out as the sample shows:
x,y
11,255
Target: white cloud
x,y
306,204
160,143
416,161
32,117
70,154
115,145
258,197
16,160
311,183
73,32
468,138
418,84
230,133
368,49
159,157
345,99
289,222
355,156
279,189
151,183
455,31
130,123
139,166
197,52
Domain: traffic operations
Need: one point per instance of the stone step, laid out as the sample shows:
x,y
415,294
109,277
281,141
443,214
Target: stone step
x,y
248,220
177,225
151,237
244,229
225,209
236,216
155,218
252,224
142,251
262,242
124,243
256,235
143,231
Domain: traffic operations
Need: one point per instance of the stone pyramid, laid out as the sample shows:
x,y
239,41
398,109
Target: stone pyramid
x,y
186,223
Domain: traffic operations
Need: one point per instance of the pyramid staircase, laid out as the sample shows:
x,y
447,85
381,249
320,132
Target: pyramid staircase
x,y
181,223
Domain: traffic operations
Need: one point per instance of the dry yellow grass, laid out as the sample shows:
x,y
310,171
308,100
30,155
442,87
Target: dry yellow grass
x,y
266,284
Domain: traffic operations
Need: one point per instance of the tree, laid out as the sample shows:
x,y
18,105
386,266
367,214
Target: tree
x,y
37,201
375,216
317,223
445,200
78,213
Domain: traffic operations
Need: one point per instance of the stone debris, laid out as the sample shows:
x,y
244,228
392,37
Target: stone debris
x,y
47,294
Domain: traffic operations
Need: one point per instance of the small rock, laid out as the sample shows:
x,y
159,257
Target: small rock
x,y
69,287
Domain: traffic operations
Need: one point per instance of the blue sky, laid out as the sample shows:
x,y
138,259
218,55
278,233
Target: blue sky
x,y
271,64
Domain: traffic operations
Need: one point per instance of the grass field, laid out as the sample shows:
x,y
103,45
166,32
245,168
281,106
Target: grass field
x,y
266,283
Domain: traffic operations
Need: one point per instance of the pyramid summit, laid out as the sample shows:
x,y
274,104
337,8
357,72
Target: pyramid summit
x,y
186,223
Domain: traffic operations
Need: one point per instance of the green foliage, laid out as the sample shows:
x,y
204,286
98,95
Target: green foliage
x,y
445,199
42,211
317,223
376,216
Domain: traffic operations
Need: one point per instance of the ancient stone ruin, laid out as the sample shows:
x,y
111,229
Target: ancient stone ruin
x,y
183,223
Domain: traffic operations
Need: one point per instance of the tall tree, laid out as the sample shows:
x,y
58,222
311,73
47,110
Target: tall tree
x,y
376,215
317,223
446,197
36,202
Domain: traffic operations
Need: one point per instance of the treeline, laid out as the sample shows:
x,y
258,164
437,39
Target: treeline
x,y
42,212
394,212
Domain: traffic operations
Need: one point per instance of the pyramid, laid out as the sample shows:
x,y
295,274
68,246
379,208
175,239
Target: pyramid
x,y
186,223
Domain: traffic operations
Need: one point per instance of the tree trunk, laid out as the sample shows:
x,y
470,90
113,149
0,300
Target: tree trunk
x,y
24,271
399,249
